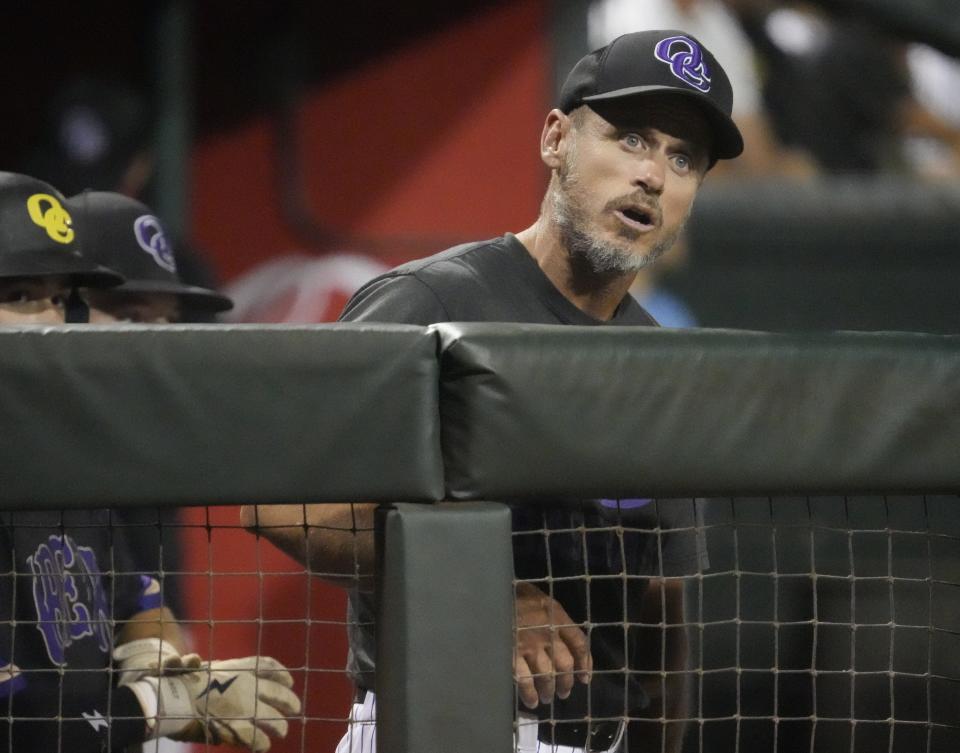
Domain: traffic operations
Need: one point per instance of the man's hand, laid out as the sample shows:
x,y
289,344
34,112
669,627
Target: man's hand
x,y
146,656
550,652
239,702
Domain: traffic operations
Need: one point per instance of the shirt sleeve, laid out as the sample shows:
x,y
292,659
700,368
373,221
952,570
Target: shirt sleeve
x,y
135,590
100,720
395,299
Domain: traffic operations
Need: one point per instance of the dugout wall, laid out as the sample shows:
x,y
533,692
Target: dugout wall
x,y
856,434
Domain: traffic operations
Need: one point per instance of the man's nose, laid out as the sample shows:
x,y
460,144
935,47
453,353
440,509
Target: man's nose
x,y
649,174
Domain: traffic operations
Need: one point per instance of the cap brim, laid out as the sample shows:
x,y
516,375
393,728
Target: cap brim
x,y
53,263
197,298
728,142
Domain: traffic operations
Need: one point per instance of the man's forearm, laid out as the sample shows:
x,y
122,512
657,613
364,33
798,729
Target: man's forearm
x,y
153,623
334,540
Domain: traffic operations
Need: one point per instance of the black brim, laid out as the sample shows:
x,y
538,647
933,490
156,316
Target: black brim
x,y
197,298
55,263
728,142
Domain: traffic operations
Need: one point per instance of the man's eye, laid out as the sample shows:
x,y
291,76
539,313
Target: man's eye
x,y
632,140
16,296
683,162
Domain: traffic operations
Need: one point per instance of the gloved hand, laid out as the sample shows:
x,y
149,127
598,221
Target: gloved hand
x,y
239,702
147,656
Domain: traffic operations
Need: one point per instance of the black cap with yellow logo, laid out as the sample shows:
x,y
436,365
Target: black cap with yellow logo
x,y
37,237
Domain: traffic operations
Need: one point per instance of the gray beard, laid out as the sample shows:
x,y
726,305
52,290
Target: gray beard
x,y
601,257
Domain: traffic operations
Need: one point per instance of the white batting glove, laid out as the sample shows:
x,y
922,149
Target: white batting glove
x,y
147,656
239,702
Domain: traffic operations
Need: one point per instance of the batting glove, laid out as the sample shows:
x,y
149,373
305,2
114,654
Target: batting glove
x,y
147,656
239,702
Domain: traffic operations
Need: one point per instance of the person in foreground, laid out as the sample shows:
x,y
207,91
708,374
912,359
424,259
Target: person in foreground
x,y
638,125
91,659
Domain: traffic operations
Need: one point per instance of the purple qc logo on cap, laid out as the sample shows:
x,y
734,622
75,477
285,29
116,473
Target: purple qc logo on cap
x,y
685,59
150,237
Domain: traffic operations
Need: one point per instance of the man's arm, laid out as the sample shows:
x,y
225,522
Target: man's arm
x,y
153,623
661,647
334,540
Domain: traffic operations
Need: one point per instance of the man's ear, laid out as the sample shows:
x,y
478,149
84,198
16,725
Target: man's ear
x,y
554,139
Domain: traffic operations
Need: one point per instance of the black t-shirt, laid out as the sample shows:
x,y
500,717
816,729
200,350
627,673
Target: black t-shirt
x,y
499,281
489,281
65,583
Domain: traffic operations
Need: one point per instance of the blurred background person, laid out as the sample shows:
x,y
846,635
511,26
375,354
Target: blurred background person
x,y
935,83
99,134
853,94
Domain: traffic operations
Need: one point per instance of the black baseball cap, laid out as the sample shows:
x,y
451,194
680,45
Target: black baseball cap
x,y
38,237
124,234
647,62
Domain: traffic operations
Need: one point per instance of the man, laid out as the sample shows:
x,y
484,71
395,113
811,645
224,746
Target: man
x,y
76,612
123,234
41,266
637,127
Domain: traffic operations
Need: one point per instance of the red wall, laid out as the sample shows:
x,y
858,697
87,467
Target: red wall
x,y
439,139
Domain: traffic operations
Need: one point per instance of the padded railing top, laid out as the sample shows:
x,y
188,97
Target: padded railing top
x,y
531,410
217,414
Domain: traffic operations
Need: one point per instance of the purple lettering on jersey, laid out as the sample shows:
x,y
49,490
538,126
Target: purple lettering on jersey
x,y
624,504
685,59
69,596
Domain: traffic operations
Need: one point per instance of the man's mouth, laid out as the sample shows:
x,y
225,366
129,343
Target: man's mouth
x,y
637,217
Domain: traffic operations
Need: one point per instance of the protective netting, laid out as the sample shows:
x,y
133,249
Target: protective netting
x,y
821,624
71,581
827,624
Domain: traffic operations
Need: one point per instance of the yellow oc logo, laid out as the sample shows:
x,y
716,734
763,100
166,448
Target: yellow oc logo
x,y
49,214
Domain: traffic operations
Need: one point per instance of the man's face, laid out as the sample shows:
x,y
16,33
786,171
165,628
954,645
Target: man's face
x,y
623,192
108,306
33,300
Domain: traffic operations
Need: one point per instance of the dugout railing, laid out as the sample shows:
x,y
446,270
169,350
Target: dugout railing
x,y
240,414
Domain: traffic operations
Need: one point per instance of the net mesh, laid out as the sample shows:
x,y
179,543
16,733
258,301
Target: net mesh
x,y
828,624
811,624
